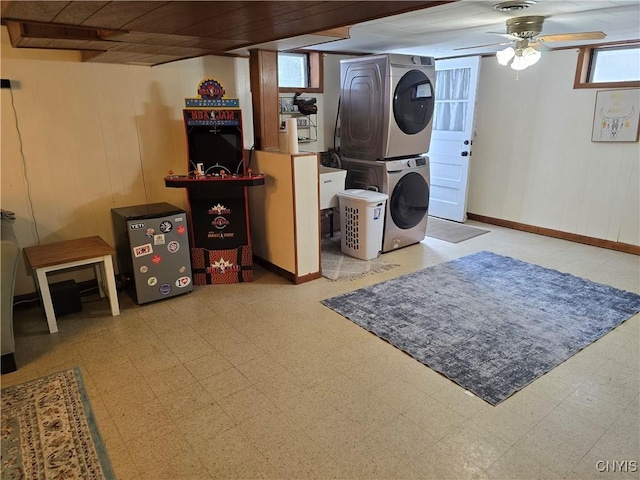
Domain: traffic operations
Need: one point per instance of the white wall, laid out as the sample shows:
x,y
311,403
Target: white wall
x,y
91,137
533,160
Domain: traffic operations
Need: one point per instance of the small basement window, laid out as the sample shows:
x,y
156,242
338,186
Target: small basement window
x,y
609,66
300,72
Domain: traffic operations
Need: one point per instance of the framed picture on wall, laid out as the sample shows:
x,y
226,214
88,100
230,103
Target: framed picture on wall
x,y
616,116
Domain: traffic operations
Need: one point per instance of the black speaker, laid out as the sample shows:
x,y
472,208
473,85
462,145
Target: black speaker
x,y
65,297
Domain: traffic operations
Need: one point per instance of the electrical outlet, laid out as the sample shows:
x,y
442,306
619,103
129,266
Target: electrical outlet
x,y
6,83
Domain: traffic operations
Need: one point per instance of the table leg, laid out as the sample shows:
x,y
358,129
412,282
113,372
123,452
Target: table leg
x,y
110,277
99,278
47,303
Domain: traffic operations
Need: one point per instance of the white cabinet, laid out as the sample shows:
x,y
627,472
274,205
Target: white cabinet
x,y
332,181
285,229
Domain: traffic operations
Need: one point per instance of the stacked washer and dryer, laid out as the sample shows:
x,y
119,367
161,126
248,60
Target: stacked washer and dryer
x,y
386,109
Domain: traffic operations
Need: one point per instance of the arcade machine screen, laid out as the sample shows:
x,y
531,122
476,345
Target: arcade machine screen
x,y
217,148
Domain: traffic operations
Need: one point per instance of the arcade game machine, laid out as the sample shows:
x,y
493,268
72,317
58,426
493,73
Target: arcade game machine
x,y
216,184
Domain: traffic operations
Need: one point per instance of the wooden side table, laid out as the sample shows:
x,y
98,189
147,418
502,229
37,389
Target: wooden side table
x,y
68,254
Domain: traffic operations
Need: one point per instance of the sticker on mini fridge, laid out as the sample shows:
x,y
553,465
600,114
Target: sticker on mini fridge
x,y
142,250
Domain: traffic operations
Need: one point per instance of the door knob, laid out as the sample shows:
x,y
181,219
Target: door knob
x,y
464,154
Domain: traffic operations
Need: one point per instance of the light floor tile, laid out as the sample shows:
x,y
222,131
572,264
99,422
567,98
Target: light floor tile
x,y
515,465
559,441
246,404
368,459
476,444
621,441
220,454
225,383
135,420
122,464
407,438
261,368
170,379
207,365
204,423
399,394
183,466
439,461
157,447
435,417
179,403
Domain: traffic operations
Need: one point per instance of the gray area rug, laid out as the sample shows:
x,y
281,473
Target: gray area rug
x,y
492,324
451,231
337,266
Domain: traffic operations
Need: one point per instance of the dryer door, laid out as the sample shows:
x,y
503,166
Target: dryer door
x,y
409,200
413,102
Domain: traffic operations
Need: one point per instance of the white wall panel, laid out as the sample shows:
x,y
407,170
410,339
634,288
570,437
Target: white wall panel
x,y
533,160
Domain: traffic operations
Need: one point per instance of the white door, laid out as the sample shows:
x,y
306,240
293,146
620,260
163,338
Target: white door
x,y
452,137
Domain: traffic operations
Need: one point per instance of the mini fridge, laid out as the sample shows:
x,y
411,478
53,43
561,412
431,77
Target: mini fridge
x,y
153,251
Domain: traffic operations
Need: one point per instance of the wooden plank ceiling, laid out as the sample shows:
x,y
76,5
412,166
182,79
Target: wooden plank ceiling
x,y
156,32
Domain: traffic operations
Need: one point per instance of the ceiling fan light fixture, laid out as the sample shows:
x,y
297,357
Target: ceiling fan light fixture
x,y
519,63
531,55
504,56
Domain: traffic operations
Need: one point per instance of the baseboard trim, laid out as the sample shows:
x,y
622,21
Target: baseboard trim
x,y
549,232
292,277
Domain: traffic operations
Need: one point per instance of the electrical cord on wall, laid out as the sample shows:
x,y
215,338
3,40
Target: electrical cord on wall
x,y
253,147
24,169
335,127
144,180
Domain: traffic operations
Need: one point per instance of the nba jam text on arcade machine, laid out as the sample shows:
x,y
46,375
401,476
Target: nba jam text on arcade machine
x,y
216,184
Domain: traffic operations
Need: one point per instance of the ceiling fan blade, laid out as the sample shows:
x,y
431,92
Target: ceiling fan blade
x,y
482,46
569,37
505,35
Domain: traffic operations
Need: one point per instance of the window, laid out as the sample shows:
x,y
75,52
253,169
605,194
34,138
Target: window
x,y
615,64
293,70
300,72
609,65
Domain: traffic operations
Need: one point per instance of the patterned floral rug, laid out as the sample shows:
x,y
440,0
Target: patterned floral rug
x,y
49,432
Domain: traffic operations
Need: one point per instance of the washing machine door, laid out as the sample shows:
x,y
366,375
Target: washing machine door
x,y
409,200
413,102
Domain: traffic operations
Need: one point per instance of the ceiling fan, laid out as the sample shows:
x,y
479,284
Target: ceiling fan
x,y
524,34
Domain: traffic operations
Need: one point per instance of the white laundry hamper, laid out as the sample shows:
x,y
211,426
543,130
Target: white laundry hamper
x,y
361,222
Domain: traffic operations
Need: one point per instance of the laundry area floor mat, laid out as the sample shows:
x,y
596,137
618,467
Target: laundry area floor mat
x,y
451,232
